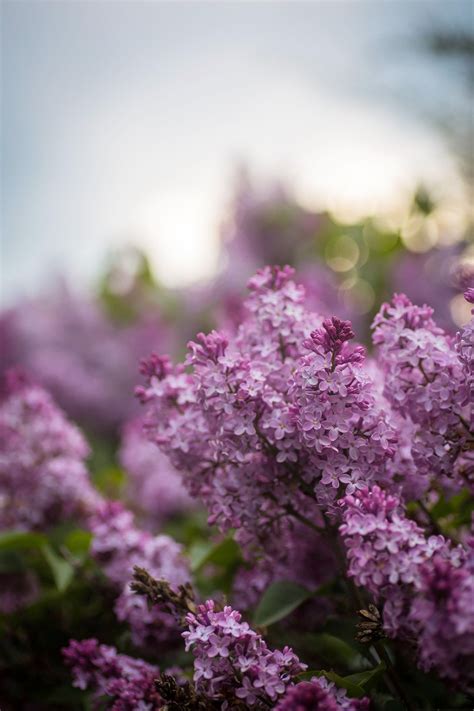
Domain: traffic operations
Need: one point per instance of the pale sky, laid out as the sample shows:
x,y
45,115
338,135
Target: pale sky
x,y
127,120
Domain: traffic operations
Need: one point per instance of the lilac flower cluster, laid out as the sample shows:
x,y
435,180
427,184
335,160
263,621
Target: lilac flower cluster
x,y
43,478
427,383
426,584
155,489
127,682
118,545
233,662
319,695
269,422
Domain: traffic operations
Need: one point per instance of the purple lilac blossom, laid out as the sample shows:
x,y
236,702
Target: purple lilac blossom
x,y
426,584
319,695
43,478
232,661
127,683
118,546
155,489
269,422
84,358
426,382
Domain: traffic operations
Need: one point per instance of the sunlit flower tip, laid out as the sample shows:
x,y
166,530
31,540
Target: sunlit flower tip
x,y
207,347
274,277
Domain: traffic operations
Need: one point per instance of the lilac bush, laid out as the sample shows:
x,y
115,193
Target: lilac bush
x,y
338,487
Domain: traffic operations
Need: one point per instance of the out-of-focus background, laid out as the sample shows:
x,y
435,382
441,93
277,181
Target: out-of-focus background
x,y
126,122
155,154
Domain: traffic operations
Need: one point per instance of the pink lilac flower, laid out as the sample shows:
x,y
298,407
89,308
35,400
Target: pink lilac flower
x,y
348,438
154,488
426,584
118,546
319,695
43,478
233,662
442,614
127,683
269,422
426,383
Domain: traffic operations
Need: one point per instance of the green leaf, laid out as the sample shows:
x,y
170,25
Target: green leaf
x,y
12,562
344,682
11,540
394,705
78,541
224,554
333,649
62,570
367,678
279,600
198,552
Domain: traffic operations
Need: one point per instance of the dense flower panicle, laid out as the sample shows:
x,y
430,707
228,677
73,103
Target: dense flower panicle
x,y
319,695
127,683
43,479
154,487
425,584
384,548
347,436
443,615
427,383
232,662
267,422
307,696
119,546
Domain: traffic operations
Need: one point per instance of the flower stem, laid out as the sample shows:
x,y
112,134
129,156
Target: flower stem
x,y
393,676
